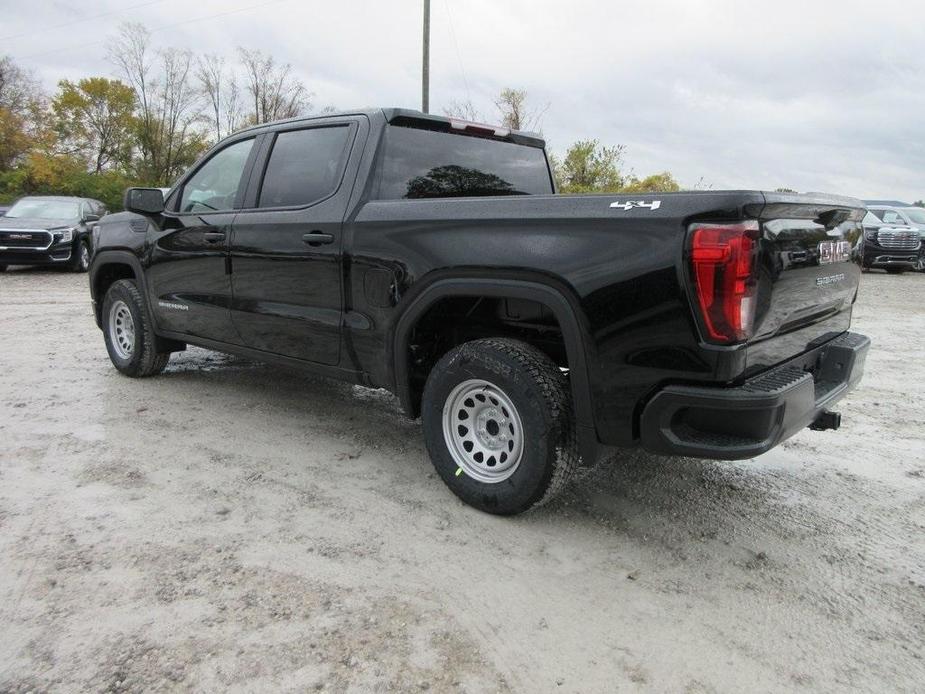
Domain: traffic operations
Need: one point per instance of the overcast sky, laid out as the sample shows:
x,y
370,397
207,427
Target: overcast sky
x,y
815,95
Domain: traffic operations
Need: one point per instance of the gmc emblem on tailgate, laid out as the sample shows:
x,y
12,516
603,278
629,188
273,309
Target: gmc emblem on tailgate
x,y
834,252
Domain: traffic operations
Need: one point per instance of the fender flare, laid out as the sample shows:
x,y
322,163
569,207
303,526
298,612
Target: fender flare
x,y
568,315
114,257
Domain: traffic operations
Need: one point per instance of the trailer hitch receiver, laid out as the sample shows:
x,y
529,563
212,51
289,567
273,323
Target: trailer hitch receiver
x,y
826,420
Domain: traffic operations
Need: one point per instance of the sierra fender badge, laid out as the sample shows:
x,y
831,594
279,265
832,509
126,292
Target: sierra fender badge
x,y
632,204
170,304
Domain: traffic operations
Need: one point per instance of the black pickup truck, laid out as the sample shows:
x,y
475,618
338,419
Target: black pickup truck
x,y
531,331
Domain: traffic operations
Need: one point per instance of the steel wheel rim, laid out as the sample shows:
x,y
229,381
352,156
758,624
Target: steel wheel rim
x,y
483,431
122,329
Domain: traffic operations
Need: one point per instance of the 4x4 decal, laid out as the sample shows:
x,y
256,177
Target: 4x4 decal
x,y
632,204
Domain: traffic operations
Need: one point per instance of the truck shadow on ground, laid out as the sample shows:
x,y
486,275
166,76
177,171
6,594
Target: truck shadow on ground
x,y
631,491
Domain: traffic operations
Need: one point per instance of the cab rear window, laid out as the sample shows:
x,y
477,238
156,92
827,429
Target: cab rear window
x,y
430,164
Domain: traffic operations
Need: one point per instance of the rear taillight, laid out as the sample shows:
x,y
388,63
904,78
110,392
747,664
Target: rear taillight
x,y
723,271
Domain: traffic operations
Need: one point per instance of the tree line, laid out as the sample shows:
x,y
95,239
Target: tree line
x,y
163,107
146,125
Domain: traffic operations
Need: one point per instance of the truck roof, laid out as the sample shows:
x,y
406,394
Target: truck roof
x,y
418,118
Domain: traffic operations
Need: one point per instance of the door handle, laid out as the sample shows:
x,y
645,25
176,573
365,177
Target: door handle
x,y
213,236
317,238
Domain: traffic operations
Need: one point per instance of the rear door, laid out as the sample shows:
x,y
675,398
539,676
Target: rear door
x,y
188,279
809,274
286,246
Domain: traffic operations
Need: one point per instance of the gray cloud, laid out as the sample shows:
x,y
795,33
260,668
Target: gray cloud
x,y
813,95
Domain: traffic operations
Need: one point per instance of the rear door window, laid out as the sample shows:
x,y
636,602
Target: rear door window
x,y
432,164
305,166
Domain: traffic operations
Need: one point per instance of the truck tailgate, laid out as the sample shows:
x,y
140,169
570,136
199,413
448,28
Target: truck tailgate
x,y
808,276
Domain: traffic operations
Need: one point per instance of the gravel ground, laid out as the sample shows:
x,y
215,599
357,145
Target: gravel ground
x,y
230,526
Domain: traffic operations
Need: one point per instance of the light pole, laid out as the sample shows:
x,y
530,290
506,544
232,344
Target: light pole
x,y
425,70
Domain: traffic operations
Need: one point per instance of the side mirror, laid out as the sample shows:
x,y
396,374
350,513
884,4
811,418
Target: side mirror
x,y
91,218
144,200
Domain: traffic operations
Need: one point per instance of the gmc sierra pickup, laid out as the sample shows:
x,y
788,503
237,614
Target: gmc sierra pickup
x,y
530,331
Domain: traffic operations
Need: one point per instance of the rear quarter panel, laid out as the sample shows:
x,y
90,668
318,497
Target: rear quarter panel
x,y
622,268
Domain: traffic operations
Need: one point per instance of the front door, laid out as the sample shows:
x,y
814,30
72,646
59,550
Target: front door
x,y
286,248
188,279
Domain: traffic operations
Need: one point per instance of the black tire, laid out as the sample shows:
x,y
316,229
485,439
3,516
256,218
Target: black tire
x,y
142,360
896,270
539,391
81,260
3,268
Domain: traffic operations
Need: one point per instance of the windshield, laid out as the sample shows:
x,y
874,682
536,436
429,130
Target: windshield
x,y
916,214
44,209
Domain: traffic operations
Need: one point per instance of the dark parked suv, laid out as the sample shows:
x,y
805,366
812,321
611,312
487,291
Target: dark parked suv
x,y
49,230
904,216
893,246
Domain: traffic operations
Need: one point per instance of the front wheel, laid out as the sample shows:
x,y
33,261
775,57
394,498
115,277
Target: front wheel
x,y
498,425
81,262
127,331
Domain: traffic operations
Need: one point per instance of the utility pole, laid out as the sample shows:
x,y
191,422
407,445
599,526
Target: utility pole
x,y
425,71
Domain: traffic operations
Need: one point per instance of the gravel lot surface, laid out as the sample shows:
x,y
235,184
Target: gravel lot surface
x,y
231,526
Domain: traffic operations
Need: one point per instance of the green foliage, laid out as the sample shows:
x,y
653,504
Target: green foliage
x,y
94,119
14,139
590,168
42,174
656,183
919,203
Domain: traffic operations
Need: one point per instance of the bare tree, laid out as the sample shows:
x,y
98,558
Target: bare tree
x,y
168,103
465,110
130,52
220,88
274,91
179,111
19,88
515,111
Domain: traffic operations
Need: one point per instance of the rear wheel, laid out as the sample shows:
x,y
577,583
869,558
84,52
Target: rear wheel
x,y
498,425
127,331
